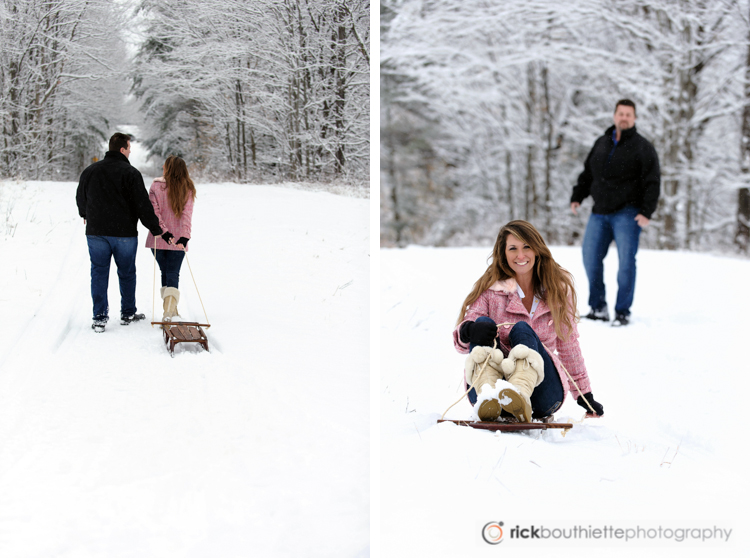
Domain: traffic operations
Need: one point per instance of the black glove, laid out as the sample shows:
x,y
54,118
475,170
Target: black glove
x,y
182,241
167,236
479,333
594,405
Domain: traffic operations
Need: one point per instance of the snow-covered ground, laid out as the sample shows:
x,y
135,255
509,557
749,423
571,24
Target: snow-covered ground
x,y
109,447
670,450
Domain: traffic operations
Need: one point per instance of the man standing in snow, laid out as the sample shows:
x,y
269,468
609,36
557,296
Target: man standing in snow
x,y
622,175
111,198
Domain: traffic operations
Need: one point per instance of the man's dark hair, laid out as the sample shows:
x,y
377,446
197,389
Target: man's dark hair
x,y
626,103
118,141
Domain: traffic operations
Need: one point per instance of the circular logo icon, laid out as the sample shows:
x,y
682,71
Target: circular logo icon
x,y
493,532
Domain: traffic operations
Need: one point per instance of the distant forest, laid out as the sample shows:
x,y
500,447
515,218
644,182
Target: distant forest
x,y
245,90
489,108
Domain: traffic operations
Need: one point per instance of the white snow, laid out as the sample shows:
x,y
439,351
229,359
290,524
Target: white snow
x,y
669,451
109,447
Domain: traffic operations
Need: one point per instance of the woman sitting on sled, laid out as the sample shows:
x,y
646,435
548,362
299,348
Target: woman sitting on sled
x,y
172,197
522,315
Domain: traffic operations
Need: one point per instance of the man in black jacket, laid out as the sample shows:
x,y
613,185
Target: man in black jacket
x,y
111,198
622,175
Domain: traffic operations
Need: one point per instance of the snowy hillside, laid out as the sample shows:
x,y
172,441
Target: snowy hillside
x,y
109,447
669,451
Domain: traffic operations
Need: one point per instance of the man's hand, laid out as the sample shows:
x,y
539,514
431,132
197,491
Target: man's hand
x,y
574,207
642,221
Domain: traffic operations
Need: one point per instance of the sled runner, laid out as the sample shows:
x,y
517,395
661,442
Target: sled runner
x,y
183,332
507,426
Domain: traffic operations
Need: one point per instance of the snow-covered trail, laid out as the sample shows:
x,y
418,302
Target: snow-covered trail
x,y
109,447
670,449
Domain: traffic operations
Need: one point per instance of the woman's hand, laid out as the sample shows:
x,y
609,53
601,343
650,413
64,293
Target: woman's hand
x,y
183,242
167,236
598,409
479,333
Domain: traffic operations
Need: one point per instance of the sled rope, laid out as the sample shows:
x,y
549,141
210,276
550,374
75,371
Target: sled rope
x,y
476,377
153,296
494,345
574,383
486,361
564,369
196,285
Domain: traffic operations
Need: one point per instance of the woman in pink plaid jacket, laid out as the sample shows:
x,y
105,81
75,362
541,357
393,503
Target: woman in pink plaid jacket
x,y
518,325
172,196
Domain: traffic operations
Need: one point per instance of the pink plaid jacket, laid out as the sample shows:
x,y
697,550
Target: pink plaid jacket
x,y
502,304
167,219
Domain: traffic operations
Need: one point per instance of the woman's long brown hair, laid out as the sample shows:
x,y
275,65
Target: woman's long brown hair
x,y
179,184
550,281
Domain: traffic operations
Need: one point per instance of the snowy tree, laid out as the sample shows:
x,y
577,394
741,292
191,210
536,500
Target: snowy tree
x,y
261,89
61,84
497,84
267,88
689,54
515,93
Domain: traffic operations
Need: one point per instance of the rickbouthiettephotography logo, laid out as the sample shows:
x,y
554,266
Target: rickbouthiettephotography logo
x,y
492,533
623,533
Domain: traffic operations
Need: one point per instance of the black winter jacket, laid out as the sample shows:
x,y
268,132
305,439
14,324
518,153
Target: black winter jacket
x,y
111,197
629,175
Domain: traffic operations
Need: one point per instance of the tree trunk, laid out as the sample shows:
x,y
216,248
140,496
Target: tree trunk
x,y
509,178
340,49
742,235
390,154
531,195
549,129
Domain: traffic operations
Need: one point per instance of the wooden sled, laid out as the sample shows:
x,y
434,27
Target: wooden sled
x,y
183,332
511,426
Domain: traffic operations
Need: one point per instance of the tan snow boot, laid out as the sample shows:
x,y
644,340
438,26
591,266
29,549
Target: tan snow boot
x,y
171,297
524,370
488,406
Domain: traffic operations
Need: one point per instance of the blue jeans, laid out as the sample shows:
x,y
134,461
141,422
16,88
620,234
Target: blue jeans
x,y
101,251
601,230
547,396
169,262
